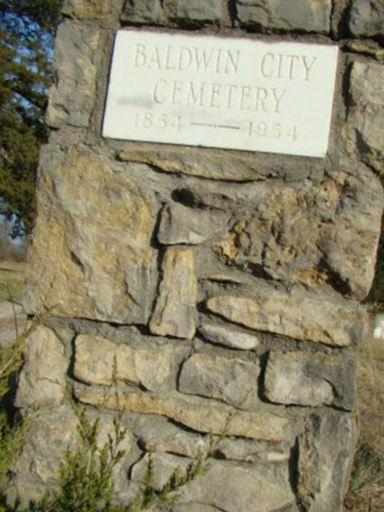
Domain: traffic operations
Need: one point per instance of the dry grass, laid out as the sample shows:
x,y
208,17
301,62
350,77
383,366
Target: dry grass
x,y
366,492
12,280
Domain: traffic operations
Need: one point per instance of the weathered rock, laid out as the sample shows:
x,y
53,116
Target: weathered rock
x,y
193,507
42,379
336,228
199,11
213,164
223,335
251,451
13,322
86,9
36,469
100,361
325,459
226,485
366,113
366,18
304,378
175,310
300,316
72,98
142,11
199,414
302,15
182,225
231,380
98,224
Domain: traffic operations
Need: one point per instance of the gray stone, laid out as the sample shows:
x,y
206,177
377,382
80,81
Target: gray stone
x,y
42,379
72,98
51,432
297,315
304,378
336,228
225,485
141,11
175,310
326,450
199,414
302,15
87,9
223,335
182,225
198,11
100,361
366,113
193,507
245,450
231,380
98,224
366,18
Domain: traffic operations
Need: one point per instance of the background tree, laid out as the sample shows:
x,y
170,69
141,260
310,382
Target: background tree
x,y
27,30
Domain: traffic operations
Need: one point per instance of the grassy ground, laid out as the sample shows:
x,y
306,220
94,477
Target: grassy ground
x,y
366,492
12,280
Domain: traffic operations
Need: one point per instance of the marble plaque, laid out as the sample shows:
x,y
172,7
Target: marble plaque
x,y
223,92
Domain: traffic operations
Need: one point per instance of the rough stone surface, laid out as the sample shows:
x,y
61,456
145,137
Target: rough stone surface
x,y
100,361
199,414
198,11
182,225
71,99
300,316
366,113
175,310
98,224
42,379
325,459
87,9
226,486
311,379
141,11
366,18
302,15
231,380
336,229
223,335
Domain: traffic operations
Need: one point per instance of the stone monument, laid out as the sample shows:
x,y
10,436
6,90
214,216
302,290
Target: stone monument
x,y
209,208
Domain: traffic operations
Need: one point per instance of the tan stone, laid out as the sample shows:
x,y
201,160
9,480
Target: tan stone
x,y
42,379
87,9
100,361
199,414
91,256
175,311
301,316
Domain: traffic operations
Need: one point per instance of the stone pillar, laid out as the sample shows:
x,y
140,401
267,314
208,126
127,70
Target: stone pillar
x,y
213,283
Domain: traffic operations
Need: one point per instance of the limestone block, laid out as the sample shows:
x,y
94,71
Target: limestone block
x,y
304,378
141,11
334,234
196,11
36,468
182,225
303,15
226,485
175,310
71,99
42,379
326,450
230,380
92,255
299,316
199,414
366,18
223,335
100,361
245,450
87,9
365,124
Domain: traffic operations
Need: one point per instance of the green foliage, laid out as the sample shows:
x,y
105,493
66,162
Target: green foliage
x,y
26,42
